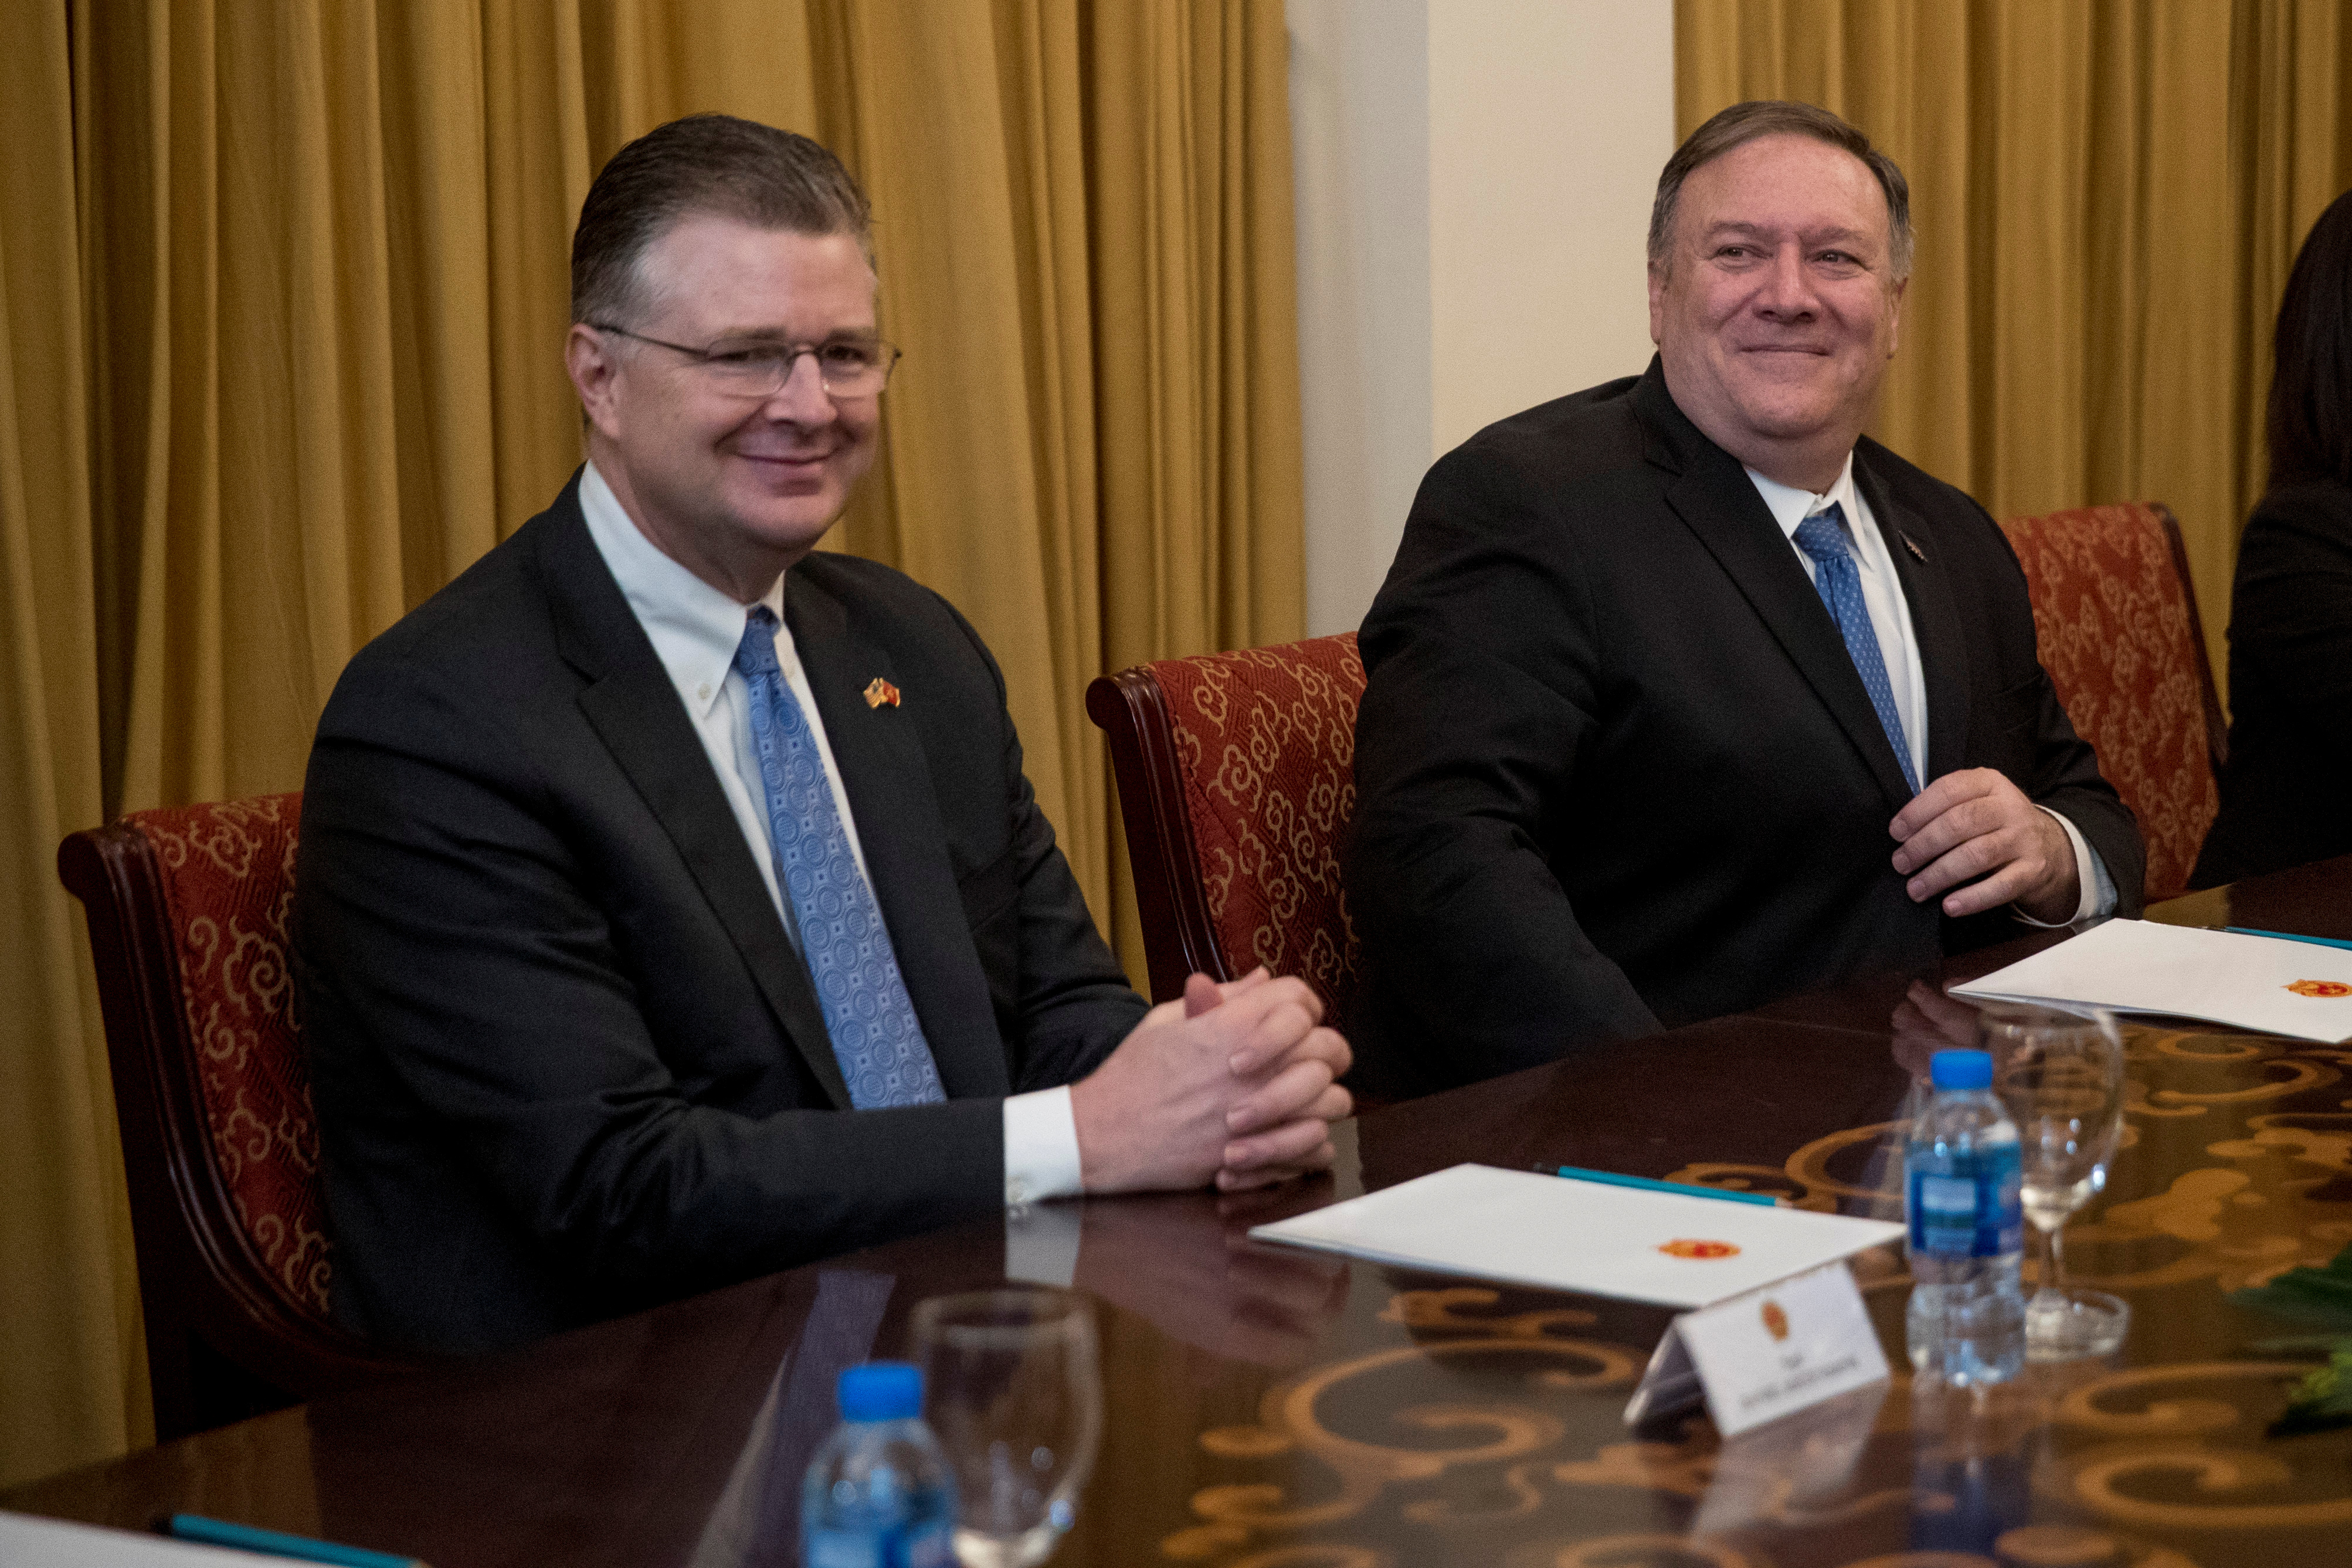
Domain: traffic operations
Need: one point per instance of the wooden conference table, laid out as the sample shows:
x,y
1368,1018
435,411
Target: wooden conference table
x,y
1275,1409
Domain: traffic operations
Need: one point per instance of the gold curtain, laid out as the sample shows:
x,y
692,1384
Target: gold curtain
x,y
2108,197
72,1374
285,290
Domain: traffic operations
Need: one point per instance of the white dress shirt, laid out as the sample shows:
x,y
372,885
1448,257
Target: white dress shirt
x,y
1890,619
695,629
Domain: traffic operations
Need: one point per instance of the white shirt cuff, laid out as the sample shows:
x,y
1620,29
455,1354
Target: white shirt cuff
x,y
1041,1148
2098,897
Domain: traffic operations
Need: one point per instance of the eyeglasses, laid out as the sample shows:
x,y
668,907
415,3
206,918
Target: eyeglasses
x,y
759,367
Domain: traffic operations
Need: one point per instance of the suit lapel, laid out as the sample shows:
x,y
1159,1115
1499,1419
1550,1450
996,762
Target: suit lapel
x,y
879,752
1715,499
1935,619
635,711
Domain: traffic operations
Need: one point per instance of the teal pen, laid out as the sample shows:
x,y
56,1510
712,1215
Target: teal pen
x,y
1612,1179
277,1543
2290,936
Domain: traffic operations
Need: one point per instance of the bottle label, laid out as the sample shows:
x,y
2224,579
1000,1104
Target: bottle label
x,y
843,1549
930,1546
1970,1213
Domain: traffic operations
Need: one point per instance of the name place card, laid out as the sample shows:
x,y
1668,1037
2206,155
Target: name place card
x,y
1765,1353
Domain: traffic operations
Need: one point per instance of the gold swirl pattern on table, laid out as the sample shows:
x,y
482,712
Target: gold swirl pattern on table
x,y
1804,1180
2245,1221
2189,1461
1490,1433
2129,1466
2259,1210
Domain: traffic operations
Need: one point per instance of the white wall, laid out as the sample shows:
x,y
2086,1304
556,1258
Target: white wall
x,y
1474,180
1360,152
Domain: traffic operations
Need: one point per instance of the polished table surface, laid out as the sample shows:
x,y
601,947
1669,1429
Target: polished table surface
x,y
1278,1409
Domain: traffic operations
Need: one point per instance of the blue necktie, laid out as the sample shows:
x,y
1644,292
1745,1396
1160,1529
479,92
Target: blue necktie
x,y
1839,582
875,1036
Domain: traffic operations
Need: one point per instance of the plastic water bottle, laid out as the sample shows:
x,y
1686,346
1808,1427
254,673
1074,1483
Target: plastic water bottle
x,y
1967,1317
880,1494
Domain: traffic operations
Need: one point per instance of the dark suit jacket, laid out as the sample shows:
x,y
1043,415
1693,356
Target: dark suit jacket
x,y
566,1060
2286,793
1615,769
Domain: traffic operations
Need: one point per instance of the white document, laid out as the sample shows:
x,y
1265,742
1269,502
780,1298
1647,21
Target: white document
x,y
2280,987
1526,1228
29,1542
1765,1354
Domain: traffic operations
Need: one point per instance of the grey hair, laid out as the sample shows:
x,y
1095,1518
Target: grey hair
x,y
713,164
1745,123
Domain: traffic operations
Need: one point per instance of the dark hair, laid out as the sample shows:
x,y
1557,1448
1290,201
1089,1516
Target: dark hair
x,y
712,163
2310,423
1745,123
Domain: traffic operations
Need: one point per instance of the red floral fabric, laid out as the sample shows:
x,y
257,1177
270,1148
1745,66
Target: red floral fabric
x,y
2113,618
228,872
1266,738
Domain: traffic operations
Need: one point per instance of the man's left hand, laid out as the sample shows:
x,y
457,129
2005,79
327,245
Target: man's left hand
x,y
1289,1110
1976,828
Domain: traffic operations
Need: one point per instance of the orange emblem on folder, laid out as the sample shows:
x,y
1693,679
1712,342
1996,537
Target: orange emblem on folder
x,y
878,691
1776,1320
2320,988
1682,1247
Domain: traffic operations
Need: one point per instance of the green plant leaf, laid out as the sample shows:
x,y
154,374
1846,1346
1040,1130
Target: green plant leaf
x,y
2323,1400
2312,1295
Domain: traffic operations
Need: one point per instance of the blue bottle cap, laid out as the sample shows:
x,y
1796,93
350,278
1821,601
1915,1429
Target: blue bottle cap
x,y
1961,1069
880,1391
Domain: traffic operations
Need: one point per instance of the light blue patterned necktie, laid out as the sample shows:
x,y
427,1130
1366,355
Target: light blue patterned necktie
x,y
1839,582
875,1036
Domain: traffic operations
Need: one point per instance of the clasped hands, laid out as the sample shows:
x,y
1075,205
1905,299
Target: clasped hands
x,y
1235,1084
1975,824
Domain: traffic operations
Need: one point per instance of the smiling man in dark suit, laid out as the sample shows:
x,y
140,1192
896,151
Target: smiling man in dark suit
x,y
672,906
1684,695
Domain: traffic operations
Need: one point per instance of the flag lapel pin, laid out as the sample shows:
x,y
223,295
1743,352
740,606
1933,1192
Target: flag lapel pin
x,y
878,691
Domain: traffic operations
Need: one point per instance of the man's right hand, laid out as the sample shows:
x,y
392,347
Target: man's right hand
x,y
1235,1083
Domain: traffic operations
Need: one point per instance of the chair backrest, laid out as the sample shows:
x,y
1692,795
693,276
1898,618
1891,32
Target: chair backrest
x,y
187,911
1236,783
2116,621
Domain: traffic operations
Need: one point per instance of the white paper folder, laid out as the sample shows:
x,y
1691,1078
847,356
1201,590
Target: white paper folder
x,y
1526,1228
2264,983
29,1542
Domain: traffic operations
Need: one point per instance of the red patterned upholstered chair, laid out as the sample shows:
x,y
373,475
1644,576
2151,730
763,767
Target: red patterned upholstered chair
x,y
187,913
1236,779
2116,620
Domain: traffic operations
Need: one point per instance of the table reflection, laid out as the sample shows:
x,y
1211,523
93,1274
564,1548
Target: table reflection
x,y
1193,1273
1186,1268
1491,1431
1269,1408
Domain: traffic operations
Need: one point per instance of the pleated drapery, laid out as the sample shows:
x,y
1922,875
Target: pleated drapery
x,y
283,288
2108,197
72,1374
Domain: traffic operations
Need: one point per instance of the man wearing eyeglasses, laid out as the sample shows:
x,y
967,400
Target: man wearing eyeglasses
x,y
672,906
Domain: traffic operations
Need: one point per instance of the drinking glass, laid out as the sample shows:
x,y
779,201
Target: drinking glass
x,y
1014,1396
2060,1076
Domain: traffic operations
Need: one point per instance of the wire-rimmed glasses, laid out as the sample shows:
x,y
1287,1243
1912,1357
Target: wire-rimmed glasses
x,y
759,367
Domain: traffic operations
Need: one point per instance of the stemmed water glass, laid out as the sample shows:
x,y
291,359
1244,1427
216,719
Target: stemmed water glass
x,y
1014,1395
2060,1076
